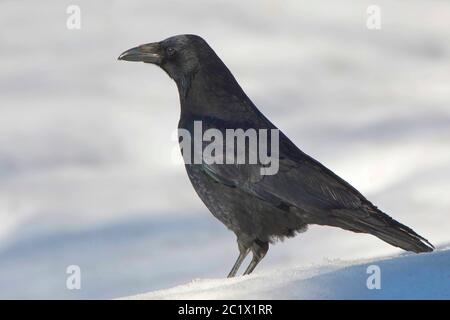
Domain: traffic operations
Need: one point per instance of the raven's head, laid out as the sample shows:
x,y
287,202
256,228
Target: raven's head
x,y
179,55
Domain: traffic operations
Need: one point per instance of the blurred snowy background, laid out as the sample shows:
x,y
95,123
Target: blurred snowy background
x,y
86,175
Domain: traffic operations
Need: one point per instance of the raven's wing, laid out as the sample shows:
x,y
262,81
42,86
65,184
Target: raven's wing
x,y
304,186
300,182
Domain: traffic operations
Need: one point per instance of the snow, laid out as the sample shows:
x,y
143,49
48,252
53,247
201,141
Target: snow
x,y
86,170
424,276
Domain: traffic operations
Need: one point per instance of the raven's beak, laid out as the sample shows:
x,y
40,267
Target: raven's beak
x,y
148,53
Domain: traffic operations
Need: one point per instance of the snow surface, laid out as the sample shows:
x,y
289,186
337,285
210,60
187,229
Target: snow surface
x,y
424,276
86,170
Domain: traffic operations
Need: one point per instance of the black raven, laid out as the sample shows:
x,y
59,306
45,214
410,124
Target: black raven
x,y
257,207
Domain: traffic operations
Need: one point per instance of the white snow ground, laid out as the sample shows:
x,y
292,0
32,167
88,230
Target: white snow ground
x,y
86,175
424,276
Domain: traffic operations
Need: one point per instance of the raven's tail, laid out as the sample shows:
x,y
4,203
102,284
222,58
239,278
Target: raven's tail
x,y
381,225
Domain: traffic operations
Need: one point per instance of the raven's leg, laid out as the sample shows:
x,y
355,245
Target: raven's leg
x,y
259,249
243,252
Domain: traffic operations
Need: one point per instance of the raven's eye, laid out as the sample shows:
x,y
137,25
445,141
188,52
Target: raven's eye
x,y
170,51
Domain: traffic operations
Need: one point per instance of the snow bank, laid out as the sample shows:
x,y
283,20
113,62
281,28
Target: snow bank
x,y
424,276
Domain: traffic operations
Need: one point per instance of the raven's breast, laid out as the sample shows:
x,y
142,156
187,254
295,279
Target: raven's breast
x,y
243,213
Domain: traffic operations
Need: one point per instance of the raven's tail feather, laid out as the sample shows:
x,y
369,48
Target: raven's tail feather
x,y
381,225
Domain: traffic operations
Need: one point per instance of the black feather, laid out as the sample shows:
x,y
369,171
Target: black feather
x,y
260,209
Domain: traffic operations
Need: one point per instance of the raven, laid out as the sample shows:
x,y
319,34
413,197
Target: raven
x,y
259,208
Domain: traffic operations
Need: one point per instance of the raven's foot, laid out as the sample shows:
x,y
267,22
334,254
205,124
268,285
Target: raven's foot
x,y
243,252
259,249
